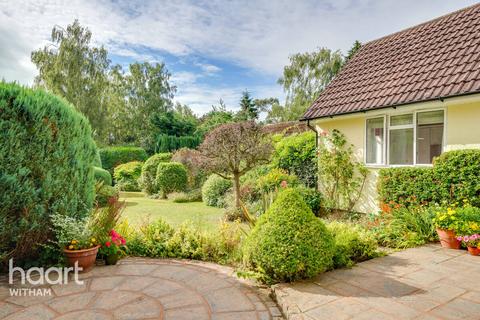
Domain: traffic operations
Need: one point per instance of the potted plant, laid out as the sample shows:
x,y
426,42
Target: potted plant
x,y
76,240
113,248
472,242
446,223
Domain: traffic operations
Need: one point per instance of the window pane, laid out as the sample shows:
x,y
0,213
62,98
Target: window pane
x,y
401,146
375,141
401,120
429,136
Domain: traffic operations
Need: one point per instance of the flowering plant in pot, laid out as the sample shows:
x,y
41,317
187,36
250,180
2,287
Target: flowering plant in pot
x,y
113,248
447,222
77,241
472,242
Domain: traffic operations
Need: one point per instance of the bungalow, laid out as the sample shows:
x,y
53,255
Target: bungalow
x,y
407,97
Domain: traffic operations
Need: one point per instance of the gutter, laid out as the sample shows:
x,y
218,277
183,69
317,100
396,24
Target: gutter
x,y
389,106
314,130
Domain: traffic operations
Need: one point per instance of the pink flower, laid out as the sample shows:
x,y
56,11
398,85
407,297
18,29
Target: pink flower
x,y
108,244
284,184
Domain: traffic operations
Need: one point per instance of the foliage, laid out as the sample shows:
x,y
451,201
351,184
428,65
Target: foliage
x,y
288,242
189,158
179,123
103,220
248,109
186,242
149,172
306,77
312,197
46,162
104,193
405,228
73,233
71,68
102,175
165,143
457,176
352,244
115,245
341,176
232,150
214,118
447,218
471,240
297,154
127,174
274,179
171,176
469,219
115,156
151,241
191,196
407,187
214,190
353,50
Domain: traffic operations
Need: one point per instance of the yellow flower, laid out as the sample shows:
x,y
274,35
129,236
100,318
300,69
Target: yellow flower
x,y
70,247
93,240
74,242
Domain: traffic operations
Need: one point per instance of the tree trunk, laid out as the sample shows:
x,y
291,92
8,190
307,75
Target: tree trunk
x,y
236,187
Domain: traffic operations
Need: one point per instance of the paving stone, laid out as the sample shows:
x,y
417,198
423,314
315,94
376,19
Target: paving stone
x,y
197,313
135,270
85,315
38,312
70,288
174,272
472,296
234,316
107,283
7,308
182,298
207,282
112,299
70,303
221,301
326,312
162,287
141,308
307,296
27,301
391,307
136,283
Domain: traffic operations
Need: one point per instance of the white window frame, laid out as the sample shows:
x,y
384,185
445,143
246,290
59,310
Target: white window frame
x,y
386,132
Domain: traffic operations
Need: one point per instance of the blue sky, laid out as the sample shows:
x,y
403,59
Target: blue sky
x,y
214,49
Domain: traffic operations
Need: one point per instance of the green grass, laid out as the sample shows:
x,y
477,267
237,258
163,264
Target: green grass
x,y
140,209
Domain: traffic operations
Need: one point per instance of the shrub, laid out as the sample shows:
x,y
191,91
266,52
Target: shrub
x,y
405,228
406,187
469,220
189,158
126,175
104,193
166,143
102,175
273,180
352,244
297,155
149,172
191,196
151,241
171,176
186,242
312,197
46,162
114,156
214,191
288,242
457,176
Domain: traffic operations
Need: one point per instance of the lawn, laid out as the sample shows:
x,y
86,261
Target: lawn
x,y
140,208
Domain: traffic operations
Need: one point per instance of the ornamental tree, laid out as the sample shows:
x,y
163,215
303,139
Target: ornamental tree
x,y
231,150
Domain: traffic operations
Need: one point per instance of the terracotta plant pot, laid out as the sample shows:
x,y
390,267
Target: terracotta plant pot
x,y
448,239
86,257
474,251
111,259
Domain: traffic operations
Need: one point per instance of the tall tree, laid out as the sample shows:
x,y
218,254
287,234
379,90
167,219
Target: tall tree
x,y
248,109
306,76
214,118
233,149
73,69
355,47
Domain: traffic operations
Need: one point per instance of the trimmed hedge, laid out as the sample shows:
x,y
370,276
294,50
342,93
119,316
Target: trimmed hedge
x,y
166,143
46,163
127,174
171,177
149,172
455,177
214,191
288,242
114,156
102,175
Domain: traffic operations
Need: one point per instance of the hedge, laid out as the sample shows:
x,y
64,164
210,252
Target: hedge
x,y
149,172
171,177
454,177
127,174
214,190
103,176
46,162
114,156
167,143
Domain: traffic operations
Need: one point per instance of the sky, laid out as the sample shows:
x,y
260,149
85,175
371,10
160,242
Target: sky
x,y
213,49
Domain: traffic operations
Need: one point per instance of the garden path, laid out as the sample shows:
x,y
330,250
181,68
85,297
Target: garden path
x,y
147,289
427,282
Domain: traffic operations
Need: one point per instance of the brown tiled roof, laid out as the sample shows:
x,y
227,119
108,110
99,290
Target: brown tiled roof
x,y
437,59
286,128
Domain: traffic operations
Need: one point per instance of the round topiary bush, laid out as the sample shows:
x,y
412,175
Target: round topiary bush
x,y
149,172
46,159
288,242
126,175
171,177
111,157
214,191
103,176
104,193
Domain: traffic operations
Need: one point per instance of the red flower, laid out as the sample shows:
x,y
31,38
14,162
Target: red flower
x,y
108,244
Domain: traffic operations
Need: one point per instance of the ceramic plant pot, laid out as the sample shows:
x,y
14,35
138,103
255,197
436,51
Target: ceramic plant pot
x,y
448,239
474,251
111,259
86,257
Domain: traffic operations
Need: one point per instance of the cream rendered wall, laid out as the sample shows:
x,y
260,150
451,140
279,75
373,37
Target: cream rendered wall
x,y
462,130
